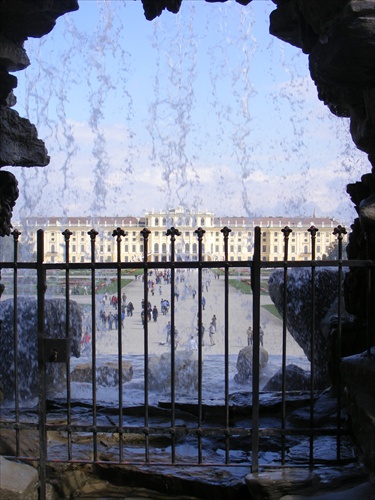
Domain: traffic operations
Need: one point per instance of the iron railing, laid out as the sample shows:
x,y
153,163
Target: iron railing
x,y
16,419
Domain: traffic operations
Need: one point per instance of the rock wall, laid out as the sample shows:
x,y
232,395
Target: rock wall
x,y
339,37
19,142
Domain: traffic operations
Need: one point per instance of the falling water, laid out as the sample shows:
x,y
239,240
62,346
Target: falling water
x,y
194,109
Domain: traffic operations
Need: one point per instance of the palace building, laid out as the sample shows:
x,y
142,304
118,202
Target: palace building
x,y
240,240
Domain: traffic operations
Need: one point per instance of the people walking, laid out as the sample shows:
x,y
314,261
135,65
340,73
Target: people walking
x,y
192,344
168,330
155,313
130,309
249,336
211,333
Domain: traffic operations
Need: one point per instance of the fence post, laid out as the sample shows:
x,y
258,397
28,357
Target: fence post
x,y
226,231
339,231
16,234
312,230
145,234
286,232
173,232
118,232
255,285
67,234
41,288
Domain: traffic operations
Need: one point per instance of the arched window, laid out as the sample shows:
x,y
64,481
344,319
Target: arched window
x,y
187,248
194,248
164,221
52,248
156,221
202,221
156,247
306,250
164,248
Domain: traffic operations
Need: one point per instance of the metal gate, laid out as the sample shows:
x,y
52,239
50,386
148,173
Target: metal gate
x,y
16,419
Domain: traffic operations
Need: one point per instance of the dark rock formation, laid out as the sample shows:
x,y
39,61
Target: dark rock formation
x,y
19,144
20,19
358,374
296,379
8,196
339,37
245,363
107,374
153,8
27,344
299,311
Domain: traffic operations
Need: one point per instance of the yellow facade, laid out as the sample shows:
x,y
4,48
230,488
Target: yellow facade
x,y
240,239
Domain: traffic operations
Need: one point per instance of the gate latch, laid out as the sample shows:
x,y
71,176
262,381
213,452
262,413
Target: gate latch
x,y
56,350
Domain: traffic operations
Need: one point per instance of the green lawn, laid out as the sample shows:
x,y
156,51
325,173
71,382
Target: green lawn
x,y
111,288
272,309
243,286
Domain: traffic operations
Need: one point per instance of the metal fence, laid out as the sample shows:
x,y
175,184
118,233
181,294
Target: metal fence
x,y
18,419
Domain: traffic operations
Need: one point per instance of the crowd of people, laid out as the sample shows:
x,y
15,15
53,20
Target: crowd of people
x,y
112,314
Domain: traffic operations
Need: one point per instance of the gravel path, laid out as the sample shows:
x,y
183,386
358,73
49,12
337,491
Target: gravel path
x,y
240,317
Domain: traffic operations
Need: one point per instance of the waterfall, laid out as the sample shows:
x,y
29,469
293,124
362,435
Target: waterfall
x,y
203,109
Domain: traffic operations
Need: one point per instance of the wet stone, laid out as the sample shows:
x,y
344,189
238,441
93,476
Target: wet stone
x,y
245,363
107,374
17,481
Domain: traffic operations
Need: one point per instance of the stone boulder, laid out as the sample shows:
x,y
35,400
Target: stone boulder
x,y
300,314
19,142
27,348
297,379
107,374
358,374
245,363
18,481
186,372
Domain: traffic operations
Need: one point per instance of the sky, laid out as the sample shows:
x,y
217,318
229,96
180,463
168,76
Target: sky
x,y
203,109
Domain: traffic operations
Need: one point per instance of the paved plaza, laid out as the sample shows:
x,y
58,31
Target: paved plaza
x,y
186,308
